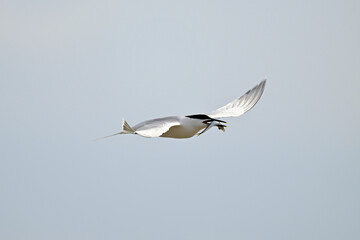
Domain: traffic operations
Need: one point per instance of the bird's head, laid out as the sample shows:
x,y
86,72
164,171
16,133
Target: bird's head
x,y
209,122
218,123
214,122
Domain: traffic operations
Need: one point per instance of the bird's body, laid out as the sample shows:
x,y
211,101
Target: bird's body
x,y
188,126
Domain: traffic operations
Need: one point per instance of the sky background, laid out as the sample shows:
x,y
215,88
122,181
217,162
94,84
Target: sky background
x,y
71,70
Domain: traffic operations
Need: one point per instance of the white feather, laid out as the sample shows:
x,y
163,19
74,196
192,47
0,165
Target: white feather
x,y
240,105
156,127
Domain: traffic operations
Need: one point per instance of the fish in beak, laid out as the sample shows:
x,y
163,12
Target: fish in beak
x,y
211,124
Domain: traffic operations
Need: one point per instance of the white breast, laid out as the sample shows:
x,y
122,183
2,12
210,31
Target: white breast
x,y
188,128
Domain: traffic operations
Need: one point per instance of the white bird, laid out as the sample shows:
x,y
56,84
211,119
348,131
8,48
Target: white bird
x,y
188,126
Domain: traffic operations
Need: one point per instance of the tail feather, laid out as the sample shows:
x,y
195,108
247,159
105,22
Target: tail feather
x,y
126,129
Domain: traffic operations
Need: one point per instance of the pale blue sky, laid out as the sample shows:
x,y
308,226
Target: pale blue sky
x,y
71,70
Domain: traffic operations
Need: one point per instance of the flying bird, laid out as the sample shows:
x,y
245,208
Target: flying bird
x,y
188,126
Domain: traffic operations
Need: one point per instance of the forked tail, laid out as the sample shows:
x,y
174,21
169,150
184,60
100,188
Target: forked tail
x,y
126,129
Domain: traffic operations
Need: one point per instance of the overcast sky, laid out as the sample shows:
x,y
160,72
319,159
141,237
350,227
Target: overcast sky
x,y
71,70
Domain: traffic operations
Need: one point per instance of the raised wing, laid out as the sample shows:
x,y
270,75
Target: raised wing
x,y
240,105
156,127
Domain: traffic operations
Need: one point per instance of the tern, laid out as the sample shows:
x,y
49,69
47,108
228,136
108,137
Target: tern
x,y
188,126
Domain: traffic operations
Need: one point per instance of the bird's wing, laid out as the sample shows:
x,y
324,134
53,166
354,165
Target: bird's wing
x,y
240,105
156,127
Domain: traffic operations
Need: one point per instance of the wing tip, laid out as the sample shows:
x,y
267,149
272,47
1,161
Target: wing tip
x,y
263,82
